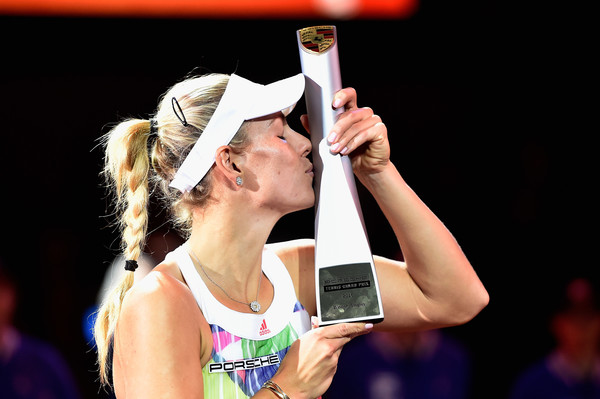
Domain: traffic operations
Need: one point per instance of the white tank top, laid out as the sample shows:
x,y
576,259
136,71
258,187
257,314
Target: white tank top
x,y
247,348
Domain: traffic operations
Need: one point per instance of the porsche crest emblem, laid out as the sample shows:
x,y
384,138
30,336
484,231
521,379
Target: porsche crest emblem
x,y
317,39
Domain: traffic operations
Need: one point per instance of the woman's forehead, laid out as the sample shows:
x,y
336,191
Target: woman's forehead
x,y
264,123
269,118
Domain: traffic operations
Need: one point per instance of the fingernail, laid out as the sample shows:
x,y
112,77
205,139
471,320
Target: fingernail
x,y
368,326
334,147
336,103
332,136
344,151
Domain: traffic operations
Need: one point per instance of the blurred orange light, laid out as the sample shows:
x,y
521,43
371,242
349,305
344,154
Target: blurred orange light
x,y
214,8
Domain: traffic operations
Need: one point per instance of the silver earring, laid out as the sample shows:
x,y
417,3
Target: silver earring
x,y
238,181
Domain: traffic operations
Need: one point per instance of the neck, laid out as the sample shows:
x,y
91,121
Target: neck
x,y
229,247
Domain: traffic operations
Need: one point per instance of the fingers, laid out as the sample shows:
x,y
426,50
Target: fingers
x,y
341,334
346,98
309,365
348,330
355,128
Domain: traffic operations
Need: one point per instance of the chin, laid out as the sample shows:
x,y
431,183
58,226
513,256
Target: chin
x,y
311,201
307,203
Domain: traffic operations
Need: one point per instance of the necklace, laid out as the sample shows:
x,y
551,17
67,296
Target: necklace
x,y
254,305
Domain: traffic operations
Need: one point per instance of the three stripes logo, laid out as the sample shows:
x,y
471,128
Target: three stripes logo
x,y
263,328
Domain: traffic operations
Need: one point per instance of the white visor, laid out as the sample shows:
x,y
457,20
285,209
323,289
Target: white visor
x,y
243,100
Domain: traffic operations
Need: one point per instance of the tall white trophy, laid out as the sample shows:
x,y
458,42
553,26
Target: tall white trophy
x,y
345,277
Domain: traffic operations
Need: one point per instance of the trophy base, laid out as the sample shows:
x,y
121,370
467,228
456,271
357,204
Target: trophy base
x,y
348,293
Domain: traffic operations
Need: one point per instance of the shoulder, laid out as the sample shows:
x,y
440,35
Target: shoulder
x,y
292,245
298,256
163,286
159,334
159,299
294,250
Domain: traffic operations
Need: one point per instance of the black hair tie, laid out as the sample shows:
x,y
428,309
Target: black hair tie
x,y
153,128
181,118
131,265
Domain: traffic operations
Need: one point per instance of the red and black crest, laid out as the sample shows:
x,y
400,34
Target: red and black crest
x,y
317,39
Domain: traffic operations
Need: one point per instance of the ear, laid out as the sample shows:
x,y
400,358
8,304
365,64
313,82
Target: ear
x,y
228,163
304,121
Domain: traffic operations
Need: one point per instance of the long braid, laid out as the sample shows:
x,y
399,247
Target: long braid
x,y
127,167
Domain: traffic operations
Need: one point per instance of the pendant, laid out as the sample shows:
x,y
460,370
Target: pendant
x,y
255,306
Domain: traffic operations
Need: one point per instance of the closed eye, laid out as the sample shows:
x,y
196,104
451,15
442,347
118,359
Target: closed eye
x,y
282,138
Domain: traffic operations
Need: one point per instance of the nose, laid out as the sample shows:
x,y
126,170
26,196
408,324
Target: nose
x,y
305,146
302,144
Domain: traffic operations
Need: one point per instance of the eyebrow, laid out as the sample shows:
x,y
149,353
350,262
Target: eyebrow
x,y
277,117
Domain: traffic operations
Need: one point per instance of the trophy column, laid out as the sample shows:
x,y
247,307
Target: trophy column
x,y
345,277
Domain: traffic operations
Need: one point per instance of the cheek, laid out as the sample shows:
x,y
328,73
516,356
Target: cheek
x,y
278,157
266,152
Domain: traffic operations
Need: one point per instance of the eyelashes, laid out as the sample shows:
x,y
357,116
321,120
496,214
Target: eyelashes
x,y
282,138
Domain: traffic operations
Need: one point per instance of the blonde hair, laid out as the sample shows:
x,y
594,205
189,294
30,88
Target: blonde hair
x,y
134,162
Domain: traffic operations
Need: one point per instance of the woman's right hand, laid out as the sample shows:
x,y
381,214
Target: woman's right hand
x,y
311,362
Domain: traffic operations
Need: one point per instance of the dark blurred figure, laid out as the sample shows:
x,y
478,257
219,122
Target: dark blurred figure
x,y
420,365
572,370
29,368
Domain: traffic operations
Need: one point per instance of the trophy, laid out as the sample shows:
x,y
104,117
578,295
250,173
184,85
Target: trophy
x,y
345,276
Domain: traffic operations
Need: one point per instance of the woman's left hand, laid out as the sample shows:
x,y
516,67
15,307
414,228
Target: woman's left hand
x,y
360,134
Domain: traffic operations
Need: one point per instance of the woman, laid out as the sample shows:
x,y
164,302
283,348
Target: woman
x,y
225,315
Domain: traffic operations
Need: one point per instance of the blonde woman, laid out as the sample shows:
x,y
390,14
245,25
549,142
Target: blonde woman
x,y
225,315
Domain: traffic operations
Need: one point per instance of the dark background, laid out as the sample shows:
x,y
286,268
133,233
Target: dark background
x,y
486,105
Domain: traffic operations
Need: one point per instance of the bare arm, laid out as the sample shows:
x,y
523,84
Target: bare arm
x,y
158,342
437,285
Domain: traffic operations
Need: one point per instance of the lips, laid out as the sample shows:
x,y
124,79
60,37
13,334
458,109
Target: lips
x,y
310,171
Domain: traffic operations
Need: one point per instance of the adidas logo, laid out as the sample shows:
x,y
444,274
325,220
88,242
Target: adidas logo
x,y
263,328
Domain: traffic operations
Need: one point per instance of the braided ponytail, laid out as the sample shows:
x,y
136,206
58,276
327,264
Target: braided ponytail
x,y
127,168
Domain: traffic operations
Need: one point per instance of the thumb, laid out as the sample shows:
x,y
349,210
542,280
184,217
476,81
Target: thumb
x,y
347,331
